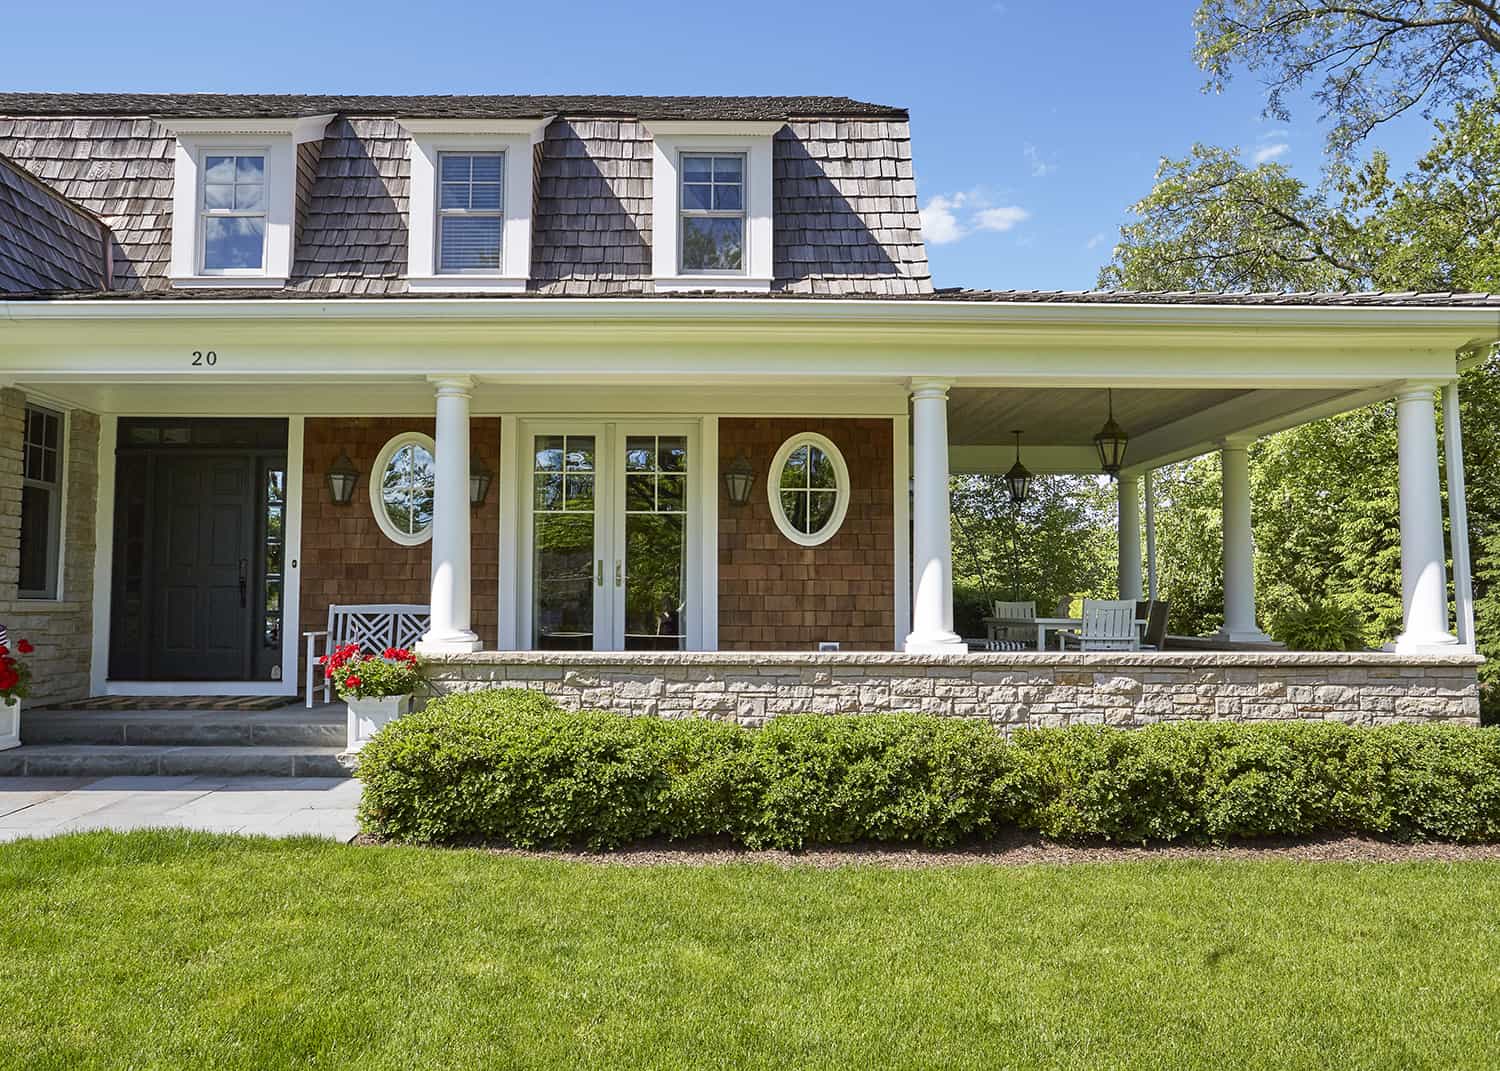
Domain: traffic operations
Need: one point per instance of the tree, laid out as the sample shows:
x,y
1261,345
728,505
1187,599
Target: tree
x,y
1371,60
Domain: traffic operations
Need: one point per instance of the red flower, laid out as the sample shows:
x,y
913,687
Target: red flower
x,y
393,652
351,681
9,678
4,650
25,647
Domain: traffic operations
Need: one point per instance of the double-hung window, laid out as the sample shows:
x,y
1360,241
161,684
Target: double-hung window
x,y
41,503
471,211
233,213
713,212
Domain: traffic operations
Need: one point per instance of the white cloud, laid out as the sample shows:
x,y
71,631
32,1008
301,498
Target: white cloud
x,y
1001,218
1040,168
951,217
1096,240
1269,152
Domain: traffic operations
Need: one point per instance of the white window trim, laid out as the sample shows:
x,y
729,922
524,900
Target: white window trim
x,y
516,139
277,141
670,141
377,474
841,481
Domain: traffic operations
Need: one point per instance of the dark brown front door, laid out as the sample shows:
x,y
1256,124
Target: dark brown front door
x,y
204,568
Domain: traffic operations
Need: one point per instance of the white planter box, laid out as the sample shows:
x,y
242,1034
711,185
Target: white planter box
x,y
366,716
10,724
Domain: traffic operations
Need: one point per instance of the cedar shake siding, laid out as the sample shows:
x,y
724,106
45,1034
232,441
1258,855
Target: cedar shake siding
x,y
845,219
346,558
777,596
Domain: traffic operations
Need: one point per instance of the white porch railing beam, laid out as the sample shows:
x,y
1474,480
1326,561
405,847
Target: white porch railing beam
x,y
1239,546
452,578
1128,491
932,538
1424,581
1458,515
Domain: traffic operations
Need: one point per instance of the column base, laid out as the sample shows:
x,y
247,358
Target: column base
x,y
1423,643
1245,635
464,642
935,643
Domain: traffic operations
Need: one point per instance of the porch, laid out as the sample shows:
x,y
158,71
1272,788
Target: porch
x,y
530,541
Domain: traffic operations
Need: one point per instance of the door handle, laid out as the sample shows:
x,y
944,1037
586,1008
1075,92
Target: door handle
x,y
244,576
601,572
619,572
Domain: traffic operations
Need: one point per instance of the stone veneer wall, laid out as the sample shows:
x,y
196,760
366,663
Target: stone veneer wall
x,y
777,596
1011,691
62,629
346,558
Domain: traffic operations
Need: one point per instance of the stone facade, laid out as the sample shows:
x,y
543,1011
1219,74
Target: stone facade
x,y
1011,690
60,629
777,596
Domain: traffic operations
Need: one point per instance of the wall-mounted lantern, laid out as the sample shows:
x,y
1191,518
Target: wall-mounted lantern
x,y
739,478
341,480
479,483
1111,442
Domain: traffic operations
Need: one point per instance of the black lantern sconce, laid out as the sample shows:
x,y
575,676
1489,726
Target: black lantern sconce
x,y
1111,442
739,479
1018,479
342,477
479,483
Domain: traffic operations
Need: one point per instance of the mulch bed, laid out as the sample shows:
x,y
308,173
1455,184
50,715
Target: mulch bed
x,y
1018,850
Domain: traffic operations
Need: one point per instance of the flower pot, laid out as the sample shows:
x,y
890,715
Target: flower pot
x,y
10,724
366,716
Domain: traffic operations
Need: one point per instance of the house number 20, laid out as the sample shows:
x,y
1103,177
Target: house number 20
x,y
205,358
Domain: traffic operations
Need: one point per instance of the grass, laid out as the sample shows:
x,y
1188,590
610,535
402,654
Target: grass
x,y
182,950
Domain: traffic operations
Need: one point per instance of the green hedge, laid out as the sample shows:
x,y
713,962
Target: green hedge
x,y
509,766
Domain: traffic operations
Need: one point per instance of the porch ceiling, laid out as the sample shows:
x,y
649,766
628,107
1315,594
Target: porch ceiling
x,y
1066,416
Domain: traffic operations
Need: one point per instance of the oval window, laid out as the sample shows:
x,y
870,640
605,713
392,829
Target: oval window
x,y
401,488
809,489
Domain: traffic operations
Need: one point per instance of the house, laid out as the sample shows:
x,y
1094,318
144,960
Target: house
x,y
648,398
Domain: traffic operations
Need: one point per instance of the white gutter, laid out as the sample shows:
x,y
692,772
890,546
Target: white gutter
x,y
758,310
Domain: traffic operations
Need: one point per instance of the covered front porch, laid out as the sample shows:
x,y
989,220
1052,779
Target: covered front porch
x,y
604,483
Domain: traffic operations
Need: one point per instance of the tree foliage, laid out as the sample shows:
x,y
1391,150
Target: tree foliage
x,y
1368,60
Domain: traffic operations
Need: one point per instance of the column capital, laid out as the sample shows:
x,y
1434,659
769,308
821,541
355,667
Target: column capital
x,y
929,388
1418,390
1237,442
452,384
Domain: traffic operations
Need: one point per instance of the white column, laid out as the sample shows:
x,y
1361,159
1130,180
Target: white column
x,y
1152,588
1128,492
1424,583
932,540
449,632
1239,547
1458,515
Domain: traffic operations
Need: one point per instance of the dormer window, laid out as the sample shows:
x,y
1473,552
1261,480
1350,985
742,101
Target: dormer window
x,y
711,205
713,213
471,217
470,204
233,223
234,198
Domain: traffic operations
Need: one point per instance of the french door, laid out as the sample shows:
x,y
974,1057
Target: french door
x,y
608,534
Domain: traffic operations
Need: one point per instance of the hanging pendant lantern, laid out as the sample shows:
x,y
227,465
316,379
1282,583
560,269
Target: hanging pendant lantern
x,y
1018,479
1111,442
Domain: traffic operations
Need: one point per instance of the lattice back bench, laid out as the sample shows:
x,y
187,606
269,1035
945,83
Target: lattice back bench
x,y
374,626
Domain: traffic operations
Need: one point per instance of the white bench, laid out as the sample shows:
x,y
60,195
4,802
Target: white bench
x,y
373,626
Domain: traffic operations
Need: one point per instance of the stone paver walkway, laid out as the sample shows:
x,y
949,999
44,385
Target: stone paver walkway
x,y
273,806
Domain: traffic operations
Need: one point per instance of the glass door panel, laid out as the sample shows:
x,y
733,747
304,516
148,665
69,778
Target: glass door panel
x,y
654,530
564,563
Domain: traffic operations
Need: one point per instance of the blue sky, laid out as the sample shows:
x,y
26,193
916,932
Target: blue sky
x,y
1035,125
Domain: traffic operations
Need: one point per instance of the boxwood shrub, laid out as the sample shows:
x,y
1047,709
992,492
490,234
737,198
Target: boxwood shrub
x,y
511,767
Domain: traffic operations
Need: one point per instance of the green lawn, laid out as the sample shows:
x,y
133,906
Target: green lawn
x,y
193,951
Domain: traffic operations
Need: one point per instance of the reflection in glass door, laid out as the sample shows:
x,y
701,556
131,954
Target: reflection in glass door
x,y
563,560
655,542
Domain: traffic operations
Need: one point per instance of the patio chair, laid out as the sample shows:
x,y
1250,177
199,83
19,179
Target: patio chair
x,y
1109,625
1003,637
1064,605
1156,625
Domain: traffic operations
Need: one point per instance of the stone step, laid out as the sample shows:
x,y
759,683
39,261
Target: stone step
x,y
297,727
109,760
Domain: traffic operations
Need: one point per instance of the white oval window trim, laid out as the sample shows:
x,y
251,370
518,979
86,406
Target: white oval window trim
x,y
377,478
841,485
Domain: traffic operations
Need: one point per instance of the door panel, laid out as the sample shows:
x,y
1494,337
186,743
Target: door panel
x,y
202,624
652,541
567,567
